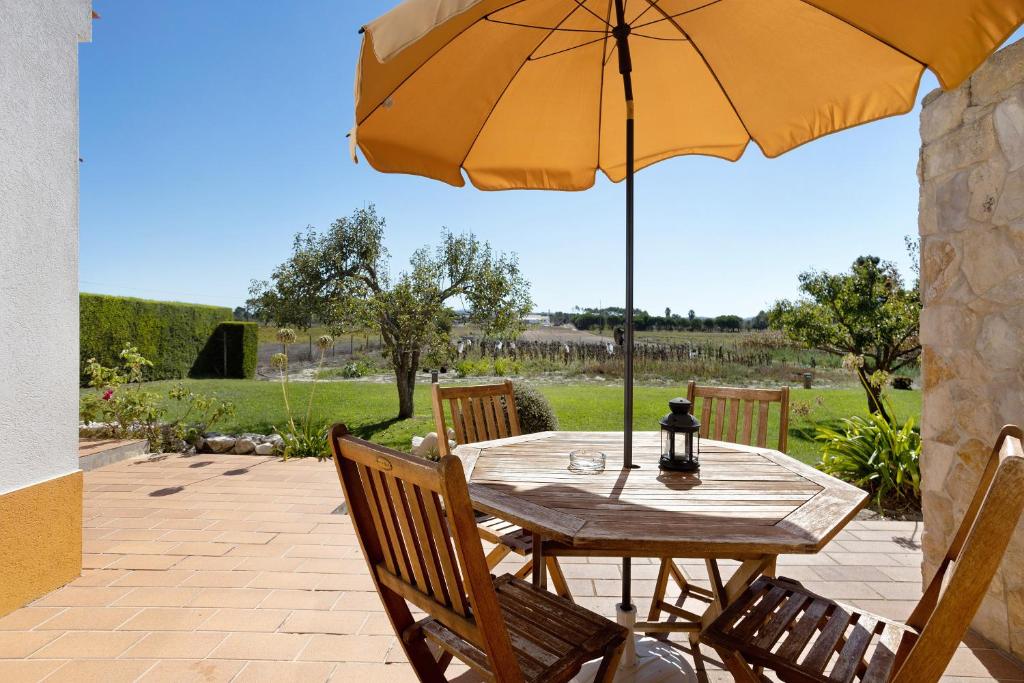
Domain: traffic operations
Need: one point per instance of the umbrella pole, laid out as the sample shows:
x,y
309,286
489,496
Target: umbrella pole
x,y
626,610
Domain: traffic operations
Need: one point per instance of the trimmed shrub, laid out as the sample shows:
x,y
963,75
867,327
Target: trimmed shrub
x,y
172,335
535,413
231,351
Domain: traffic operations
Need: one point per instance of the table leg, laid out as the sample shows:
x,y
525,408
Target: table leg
x,y
540,576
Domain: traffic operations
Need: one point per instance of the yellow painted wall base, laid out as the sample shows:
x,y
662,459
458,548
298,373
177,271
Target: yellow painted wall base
x,y
40,540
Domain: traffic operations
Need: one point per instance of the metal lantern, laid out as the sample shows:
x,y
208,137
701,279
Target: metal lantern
x,y
678,429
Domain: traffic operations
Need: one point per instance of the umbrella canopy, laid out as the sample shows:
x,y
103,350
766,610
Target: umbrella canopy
x,y
527,93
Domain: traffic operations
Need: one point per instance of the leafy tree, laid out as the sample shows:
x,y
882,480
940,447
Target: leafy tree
x,y
340,277
866,314
691,315
668,312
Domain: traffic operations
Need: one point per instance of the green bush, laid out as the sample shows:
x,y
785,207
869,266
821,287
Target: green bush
x,y
172,335
231,351
879,457
535,413
471,368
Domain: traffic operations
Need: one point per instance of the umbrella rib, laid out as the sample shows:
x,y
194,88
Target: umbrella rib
x,y
590,11
668,17
600,91
448,42
707,64
552,29
865,32
504,90
533,58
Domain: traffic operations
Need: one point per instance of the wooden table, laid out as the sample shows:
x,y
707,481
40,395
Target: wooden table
x,y
748,504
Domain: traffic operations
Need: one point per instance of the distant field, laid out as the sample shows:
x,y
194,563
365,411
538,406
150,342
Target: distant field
x,y
368,408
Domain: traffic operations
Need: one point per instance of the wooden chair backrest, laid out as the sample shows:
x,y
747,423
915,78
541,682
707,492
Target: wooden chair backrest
x,y
732,410
416,526
947,608
479,413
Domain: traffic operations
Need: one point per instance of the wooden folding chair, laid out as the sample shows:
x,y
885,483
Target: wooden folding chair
x,y
727,413
415,523
482,413
780,625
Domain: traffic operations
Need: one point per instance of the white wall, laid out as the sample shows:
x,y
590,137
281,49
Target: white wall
x,y
39,238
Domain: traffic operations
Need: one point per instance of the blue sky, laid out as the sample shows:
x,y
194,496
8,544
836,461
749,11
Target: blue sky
x,y
213,131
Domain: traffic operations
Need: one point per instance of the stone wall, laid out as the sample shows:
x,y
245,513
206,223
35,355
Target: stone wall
x,y
972,324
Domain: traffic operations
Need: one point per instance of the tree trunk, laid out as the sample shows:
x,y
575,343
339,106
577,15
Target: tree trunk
x,y
874,396
405,365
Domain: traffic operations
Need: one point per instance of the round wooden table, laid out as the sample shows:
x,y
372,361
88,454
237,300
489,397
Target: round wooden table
x,y
748,504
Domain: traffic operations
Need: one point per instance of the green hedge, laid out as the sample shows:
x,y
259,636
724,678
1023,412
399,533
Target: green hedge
x,y
231,351
172,335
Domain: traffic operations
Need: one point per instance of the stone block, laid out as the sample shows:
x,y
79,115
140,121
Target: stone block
x,y
952,199
985,184
989,256
940,267
945,112
1001,342
1001,72
1008,119
968,145
1010,205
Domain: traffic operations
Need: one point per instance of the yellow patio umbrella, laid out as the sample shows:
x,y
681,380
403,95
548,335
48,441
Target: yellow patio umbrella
x,y
542,94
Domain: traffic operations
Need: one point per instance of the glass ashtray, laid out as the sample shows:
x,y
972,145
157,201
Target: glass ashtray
x,y
586,461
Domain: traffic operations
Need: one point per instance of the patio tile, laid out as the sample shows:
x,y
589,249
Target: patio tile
x,y
175,645
27,618
88,645
199,671
158,597
219,579
73,596
316,621
372,673
101,671
89,619
256,646
242,620
230,597
295,599
333,648
287,580
18,644
172,577
28,669
287,672
168,619
156,562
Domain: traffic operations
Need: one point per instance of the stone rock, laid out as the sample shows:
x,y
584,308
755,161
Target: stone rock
x,y
1009,122
940,266
1001,344
1010,205
943,113
275,439
426,447
952,198
984,186
244,446
220,444
265,448
970,144
1001,72
989,256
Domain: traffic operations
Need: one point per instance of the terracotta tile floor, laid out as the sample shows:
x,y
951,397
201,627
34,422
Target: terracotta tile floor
x,y
233,568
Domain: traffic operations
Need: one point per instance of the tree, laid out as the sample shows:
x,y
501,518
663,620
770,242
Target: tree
x,y
865,314
668,313
691,315
340,277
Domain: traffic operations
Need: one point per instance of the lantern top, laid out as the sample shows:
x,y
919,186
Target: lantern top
x,y
680,419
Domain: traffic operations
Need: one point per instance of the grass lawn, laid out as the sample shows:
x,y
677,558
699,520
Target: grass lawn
x,y
368,408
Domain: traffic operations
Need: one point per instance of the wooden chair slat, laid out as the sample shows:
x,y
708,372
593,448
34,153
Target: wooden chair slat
x,y
478,418
825,644
781,621
705,418
734,406
446,556
468,419
719,417
884,657
804,629
460,431
411,539
487,408
500,415
851,656
366,479
431,559
391,534
762,424
754,619
748,421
